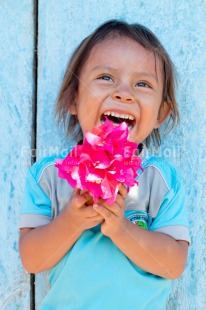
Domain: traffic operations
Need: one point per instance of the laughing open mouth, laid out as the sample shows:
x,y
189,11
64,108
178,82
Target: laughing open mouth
x,y
118,118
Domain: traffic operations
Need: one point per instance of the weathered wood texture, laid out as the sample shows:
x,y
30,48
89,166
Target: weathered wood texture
x,y
62,25
16,93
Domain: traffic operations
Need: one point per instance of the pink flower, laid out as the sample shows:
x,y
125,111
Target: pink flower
x,y
105,159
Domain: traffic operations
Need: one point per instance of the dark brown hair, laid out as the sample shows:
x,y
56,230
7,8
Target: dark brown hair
x,y
70,83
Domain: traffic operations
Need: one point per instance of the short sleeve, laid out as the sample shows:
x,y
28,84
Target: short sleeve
x,y
36,206
171,218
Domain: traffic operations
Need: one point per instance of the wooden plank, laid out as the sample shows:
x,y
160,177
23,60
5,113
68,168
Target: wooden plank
x,y
16,93
182,28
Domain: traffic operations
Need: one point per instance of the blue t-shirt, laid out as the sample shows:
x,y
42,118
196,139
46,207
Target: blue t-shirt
x,y
95,274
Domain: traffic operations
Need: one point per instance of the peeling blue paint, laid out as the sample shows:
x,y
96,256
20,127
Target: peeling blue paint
x,y
12,189
5,176
16,87
15,247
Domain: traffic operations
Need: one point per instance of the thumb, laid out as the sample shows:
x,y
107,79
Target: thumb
x,y
122,190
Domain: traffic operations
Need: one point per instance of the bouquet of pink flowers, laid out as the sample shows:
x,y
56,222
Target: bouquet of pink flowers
x,y
105,159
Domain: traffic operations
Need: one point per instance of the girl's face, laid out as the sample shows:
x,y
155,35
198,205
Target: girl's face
x,y
123,81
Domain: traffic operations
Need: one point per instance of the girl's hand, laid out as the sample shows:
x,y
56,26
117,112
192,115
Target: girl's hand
x,y
114,219
83,216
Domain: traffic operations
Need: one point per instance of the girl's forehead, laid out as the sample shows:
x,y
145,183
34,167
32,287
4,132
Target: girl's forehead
x,y
118,51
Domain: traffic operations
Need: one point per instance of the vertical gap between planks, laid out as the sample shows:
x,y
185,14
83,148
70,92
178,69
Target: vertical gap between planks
x,y
34,121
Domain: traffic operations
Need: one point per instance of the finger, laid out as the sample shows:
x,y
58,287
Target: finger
x,y
120,201
82,191
76,191
122,190
97,218
104,212
88,196
106,205
89,201
90,212
116,207
80,199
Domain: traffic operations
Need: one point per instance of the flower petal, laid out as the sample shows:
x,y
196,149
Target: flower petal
x,y
105,159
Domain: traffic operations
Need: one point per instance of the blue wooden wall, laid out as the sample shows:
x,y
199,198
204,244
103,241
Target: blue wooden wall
x,y
61,25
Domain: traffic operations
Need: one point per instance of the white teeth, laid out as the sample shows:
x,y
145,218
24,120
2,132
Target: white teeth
x,y
125,116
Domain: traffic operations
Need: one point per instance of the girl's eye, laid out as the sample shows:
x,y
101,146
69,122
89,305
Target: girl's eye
x,y
105,78
143,84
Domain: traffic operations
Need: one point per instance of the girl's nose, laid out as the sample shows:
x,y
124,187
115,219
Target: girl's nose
x,y
123,95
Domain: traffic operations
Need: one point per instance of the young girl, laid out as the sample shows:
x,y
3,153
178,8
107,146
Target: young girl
x,y
110,257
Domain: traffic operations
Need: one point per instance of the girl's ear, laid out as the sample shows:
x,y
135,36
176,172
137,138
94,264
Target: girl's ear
x,y
73,109
164,111
73,106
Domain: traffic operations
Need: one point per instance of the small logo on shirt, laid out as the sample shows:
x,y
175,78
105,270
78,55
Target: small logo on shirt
x,y
140,219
